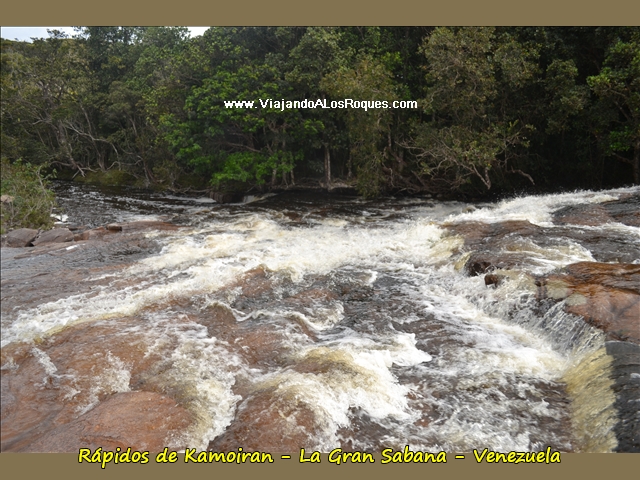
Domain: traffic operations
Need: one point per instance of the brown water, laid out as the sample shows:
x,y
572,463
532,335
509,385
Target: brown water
x,y
310,321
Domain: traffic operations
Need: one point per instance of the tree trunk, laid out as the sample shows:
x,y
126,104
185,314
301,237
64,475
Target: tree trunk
x,y
327,167
636,166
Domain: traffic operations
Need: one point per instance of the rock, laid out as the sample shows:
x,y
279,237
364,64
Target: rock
x,y
228,197
482,262
92,234
511,242
477,234
590,215
142,225
626,210
143,421
260,345
22,237
272,422
84,364
6,199
493,279
57,235
606,295
476,266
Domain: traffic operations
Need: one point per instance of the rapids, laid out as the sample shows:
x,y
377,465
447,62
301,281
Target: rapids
x,y
306,320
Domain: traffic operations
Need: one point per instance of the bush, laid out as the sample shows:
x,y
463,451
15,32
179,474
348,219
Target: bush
x,y
26,200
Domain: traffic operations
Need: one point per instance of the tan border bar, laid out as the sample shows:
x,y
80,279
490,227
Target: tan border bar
x,y
326,12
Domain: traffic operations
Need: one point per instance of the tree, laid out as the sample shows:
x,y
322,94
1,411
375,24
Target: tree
x,y
617,88
45,85
472,132
369,126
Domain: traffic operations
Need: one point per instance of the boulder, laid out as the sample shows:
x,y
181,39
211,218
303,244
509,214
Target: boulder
x,y
22,237
57,235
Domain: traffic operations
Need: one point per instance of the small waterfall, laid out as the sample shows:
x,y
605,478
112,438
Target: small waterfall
x,y
589,382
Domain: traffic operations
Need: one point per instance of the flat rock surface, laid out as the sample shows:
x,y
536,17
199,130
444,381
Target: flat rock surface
x,y
140,420
605,295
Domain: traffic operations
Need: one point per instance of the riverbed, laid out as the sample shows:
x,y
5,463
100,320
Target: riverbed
x,y
315,321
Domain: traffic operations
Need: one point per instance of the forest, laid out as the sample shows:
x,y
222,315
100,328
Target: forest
x,y
499,110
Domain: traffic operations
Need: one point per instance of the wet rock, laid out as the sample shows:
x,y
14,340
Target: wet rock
x,y
57,235
513,242
139,226
259,344
626,377
482,262
22,237
270,421
477,234
140,420
228,197
493,279
476,266
590,215
48,386
93,234
626,210
605,295
254,283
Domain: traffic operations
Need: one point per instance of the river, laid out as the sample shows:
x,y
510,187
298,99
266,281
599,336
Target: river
x,y
315,321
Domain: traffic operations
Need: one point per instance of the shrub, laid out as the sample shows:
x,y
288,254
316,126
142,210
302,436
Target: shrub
x,y
26,200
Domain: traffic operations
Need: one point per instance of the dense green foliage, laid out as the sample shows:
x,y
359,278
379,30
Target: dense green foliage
x,y
26,200
498,109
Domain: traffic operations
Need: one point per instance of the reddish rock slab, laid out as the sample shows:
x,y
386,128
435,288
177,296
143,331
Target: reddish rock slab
x,y
260,344
606,295
143,421
21,237
57,235
267,421
85,362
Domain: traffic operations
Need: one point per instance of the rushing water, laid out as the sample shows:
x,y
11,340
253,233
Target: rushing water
x,y
351,321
